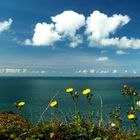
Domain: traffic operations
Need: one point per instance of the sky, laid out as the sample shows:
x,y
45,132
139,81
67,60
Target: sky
x,y
69,38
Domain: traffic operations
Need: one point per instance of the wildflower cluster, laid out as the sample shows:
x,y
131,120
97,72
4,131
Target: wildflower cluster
x,y
78,127
129,91
133,100
73,94
115,117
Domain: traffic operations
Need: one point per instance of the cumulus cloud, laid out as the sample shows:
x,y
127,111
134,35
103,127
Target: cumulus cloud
x,y
102,59
68,22
64,26
123,42
121,52
44,35
75,41
5,25
99,28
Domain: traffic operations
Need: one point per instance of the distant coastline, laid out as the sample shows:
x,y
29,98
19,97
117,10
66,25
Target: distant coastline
x,y
59,77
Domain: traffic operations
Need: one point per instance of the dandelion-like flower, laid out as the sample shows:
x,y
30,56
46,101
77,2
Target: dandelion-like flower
x,y
125,86
52,134
69,90
135,93
113,124
76,94
21,104
131,116
138,103
53,103
86,91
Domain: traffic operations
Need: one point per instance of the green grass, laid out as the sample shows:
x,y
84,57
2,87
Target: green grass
x,y
15,127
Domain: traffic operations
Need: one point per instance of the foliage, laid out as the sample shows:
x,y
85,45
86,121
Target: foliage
x,y
78,127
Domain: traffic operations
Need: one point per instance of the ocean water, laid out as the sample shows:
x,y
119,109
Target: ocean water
x,y
38,91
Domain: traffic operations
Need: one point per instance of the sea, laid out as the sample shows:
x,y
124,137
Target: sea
x,y
37,92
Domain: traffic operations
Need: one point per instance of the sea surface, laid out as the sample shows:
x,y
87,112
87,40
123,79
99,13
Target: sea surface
x,y
38,91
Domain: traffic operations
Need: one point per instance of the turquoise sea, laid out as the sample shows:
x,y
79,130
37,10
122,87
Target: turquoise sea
x,y
38,91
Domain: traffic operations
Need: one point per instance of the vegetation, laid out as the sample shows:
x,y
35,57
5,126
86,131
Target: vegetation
x,y
78,127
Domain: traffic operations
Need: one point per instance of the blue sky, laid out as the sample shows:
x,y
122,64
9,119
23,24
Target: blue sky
x,y
70,38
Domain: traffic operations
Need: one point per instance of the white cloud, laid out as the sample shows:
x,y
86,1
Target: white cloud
x,y
82,71
85,71
17,71
123,42
114,71
11,70
76,40
99,26
28,42
102,58
78,71
126,71
64,26
44,35
5,25
103,71
24,70
42,72
121,52
92,70
68,22
134,72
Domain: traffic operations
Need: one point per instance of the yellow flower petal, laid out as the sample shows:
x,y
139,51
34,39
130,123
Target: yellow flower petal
x,y
20,104
69,90
53,103
131,116
86,91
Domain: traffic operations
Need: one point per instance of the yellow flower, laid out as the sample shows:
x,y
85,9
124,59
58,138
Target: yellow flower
x,y
21,104
53,103
131,116
86,91
69,90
